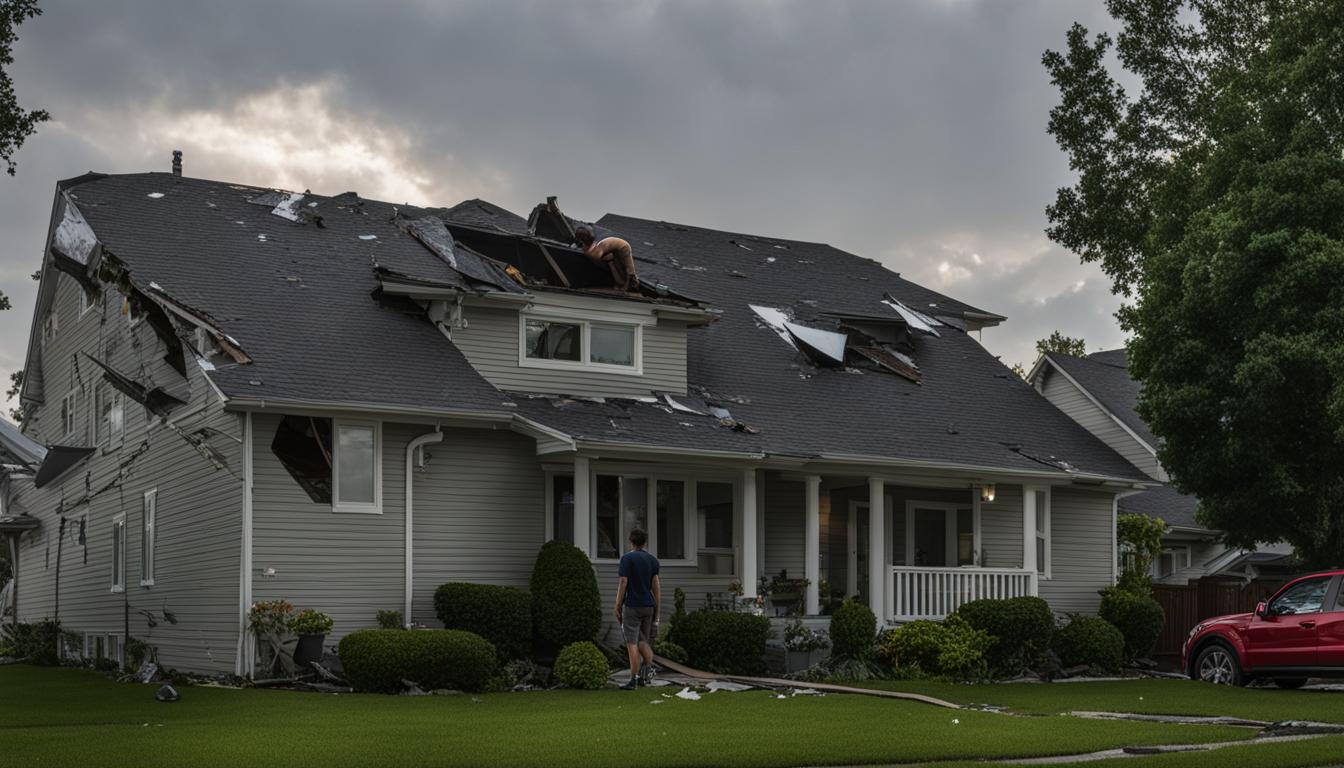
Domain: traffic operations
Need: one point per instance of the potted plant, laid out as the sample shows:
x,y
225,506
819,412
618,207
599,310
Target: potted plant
x,y
804,647
312,627
268,621
786,595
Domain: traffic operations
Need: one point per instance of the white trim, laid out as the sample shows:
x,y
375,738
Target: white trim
x,y
585,322
749,565
651,478
68,417
878,541
149,535
84,307
119,541
357,507
1030,533
243,661
583,505
416,444
812,544
1115,539
133,318
976,527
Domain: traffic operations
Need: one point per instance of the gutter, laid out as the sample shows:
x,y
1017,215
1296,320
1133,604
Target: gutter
x,y
414,445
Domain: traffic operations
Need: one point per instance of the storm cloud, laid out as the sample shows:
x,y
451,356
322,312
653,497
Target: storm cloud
x,y
910,132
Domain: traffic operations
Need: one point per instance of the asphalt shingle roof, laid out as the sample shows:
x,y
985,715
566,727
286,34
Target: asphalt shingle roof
x,y
300,299
1105,376
1164,503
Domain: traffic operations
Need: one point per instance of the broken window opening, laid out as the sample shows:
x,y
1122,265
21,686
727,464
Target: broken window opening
x,y
303,446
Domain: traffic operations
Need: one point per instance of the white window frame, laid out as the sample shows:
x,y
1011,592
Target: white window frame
x,y
693,529
87,301
1183,553
949,510
149,536
119,541
1043,532
585,321
68,414
50,326
356,507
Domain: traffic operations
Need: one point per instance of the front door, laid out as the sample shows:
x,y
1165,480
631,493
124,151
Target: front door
x,y
1286,635
939,535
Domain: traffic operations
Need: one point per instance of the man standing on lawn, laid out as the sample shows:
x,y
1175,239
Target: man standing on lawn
x,y
638,598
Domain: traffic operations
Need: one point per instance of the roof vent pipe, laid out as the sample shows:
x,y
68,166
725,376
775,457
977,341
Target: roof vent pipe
x,y
177,162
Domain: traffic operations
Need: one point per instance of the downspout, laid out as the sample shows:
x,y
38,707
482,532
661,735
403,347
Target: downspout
x,y
243,662
415,444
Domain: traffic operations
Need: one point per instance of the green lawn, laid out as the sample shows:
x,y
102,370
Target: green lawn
x,y
66,717
1147,696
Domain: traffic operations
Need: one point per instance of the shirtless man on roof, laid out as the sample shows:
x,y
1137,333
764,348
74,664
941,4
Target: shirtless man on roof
x,y
614,252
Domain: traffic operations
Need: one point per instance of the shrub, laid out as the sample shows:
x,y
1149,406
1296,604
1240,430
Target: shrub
x,y
670,651
378,660
952,648
36,642
502,615
310,622
1021,626
1091,641
853,629
723,642
1138,618
581,665
566,606
390,620
799,637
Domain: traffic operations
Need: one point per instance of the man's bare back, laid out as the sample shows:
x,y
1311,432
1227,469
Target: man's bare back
x,y
615,253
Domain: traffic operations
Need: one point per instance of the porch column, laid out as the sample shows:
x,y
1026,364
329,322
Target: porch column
x,y
583,538
749,529
1029,534
812,544
878,568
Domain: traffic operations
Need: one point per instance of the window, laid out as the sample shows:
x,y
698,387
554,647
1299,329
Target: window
x,y
110,427
562,507
965,536
87,301
1303,597
358,464
623,503
1042,532
68,415
1171,560
714,511
119,553
148,536
132,311
670,535
574,343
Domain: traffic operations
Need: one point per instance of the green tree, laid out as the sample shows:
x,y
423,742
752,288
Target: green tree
x,y
16,123
1055,342
1214,197
15,387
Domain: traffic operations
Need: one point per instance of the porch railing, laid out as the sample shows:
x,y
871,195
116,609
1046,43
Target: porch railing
x,y
934,593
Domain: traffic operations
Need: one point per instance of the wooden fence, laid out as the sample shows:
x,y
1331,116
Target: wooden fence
x,y
1187,605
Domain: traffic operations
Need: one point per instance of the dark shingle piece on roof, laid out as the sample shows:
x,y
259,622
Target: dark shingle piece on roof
x,y
1105,377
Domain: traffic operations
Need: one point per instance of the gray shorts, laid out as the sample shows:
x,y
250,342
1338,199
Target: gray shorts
x,y
637,624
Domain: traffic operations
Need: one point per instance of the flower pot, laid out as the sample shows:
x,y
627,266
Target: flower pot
x,y
798,661
308,650
266,652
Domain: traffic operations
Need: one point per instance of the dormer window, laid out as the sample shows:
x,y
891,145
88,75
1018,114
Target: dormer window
x,y
564,342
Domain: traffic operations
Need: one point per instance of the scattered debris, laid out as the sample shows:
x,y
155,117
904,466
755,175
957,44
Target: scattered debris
x,y
727,685
913,318
154,195
688,694
368,237
167,693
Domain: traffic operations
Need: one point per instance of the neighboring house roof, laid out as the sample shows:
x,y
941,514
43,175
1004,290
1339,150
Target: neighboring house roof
x,y
18,448
300,300
1105,376
1165,503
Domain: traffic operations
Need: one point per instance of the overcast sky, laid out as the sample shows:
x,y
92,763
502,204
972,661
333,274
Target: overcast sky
x,y
910,132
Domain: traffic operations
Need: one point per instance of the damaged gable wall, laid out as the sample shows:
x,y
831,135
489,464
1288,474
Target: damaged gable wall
x,y
198,505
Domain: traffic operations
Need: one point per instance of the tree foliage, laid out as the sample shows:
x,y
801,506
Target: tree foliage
x,y
1214,196
1055,342
1140,539
16,123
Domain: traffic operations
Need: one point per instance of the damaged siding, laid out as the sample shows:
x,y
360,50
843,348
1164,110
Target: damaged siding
x,y
1076,405
490,343
1081,541
196,556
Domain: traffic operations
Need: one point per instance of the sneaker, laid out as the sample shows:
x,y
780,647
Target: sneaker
x,y
632,685
646,674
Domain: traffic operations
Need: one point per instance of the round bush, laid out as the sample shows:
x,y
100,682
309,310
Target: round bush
x,y
952,648
722,641
581,665
566,606
1138,618
1021,626
378,660
853,629
1091,641
502,615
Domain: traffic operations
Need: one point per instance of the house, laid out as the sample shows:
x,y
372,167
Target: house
x,y
249,394
1098,392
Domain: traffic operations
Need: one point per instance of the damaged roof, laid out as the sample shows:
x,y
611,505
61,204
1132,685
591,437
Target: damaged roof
x,y
301,299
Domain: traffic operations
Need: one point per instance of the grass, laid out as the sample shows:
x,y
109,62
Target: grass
x,y
1147,696
70,717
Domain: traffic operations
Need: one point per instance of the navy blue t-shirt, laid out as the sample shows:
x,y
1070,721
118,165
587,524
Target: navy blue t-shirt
x,y
639,567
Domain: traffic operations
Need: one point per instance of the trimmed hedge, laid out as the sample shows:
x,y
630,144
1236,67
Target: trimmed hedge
x,y
378,660
502,615
35,643
1022,627
1091,641
566,606
952,648
723,642
581,665
1138,618
853,630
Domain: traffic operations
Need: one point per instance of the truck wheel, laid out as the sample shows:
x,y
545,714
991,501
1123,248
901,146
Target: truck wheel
x,y
1218,664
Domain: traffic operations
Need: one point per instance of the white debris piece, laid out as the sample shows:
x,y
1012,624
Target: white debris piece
x,y
688,694
656,701
156,287
288,207
913,318
205,365
74,238
775,319
368,237
828,343
677,406
727,685
261,237
154,195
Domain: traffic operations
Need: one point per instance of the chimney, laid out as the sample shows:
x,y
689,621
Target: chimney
x,y
177,162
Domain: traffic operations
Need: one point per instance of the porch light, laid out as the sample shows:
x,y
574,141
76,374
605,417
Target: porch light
x,y
987,493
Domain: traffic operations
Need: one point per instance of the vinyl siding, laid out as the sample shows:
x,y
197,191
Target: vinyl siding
x,y
785,524
1077,406
199,507
490,343
1082,538
1001,528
